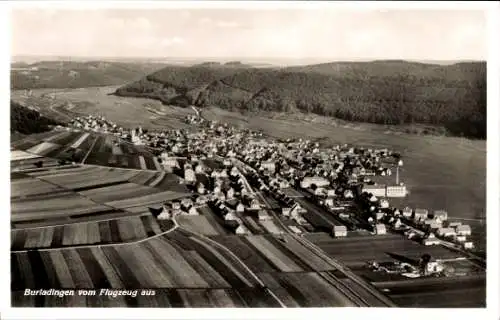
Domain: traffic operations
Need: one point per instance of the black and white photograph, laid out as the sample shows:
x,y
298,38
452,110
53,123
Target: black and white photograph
x,y
249,156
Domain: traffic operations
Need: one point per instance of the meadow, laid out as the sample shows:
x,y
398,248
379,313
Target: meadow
x,y
125,111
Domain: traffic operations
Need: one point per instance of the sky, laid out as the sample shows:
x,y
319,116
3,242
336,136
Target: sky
x,y
328,34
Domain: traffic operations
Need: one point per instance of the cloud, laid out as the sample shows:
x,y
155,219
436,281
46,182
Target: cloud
x,y
116,23
227,24
185,15
166,42
142,23
205,20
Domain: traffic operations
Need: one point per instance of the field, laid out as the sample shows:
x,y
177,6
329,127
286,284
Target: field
x,y
88,148
126,229
198,224
127,112
168,261
305,289
460,292
357,251
56,195
155,264
265,253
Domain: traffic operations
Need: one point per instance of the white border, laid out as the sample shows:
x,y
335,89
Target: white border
x,y
194,4
493,178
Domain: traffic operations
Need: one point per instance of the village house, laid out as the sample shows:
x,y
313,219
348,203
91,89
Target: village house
x,y
240,207
468,245
199,168
339,231
380,229
169,161
420,214
376,190
230,216
331,193
234,171
230,193
329,202
186,203
379,215
307,182
348,194
240,230
463,230
396,191
255,204
320,192
397,224
223,173
384,204
165,214
201,188
452,224
430,240
217,188
442,215
407,212
446,232
285,211
269,166
176,205
435,226
202,199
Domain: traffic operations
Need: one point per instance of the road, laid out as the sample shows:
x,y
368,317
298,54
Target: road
x,y
52,108
175,227
476,260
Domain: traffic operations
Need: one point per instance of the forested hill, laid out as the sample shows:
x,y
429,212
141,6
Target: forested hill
x,y
27,121
77,74
385,92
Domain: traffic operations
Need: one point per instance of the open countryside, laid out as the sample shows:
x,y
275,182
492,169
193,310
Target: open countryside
x,y
223,182
112,219
457,170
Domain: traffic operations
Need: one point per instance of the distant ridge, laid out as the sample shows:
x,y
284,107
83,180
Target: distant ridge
x,y
382,91
77,74
197,60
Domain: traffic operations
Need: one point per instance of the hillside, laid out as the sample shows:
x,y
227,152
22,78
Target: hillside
x,y
177,84
27,121
384,92
77,74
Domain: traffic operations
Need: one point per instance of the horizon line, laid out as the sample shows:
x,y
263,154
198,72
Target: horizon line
x,y
267,60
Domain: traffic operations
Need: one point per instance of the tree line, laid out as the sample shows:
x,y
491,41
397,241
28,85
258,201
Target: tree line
x,y
27,121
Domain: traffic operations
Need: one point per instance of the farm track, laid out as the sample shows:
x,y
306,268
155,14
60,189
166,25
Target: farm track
x,y
89,246
253,275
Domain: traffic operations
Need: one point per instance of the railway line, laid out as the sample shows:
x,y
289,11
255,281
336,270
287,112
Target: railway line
x,y
379,300
247,269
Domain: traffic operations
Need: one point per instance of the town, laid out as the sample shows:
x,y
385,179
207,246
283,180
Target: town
x,y
252,182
